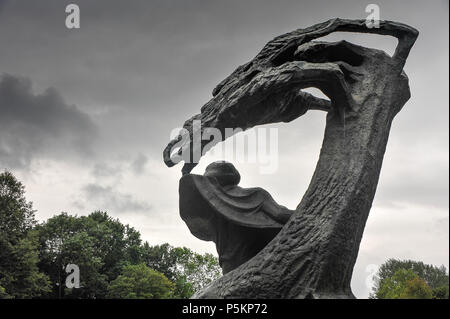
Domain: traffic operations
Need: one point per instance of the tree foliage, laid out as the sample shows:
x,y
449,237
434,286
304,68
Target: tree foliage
x,y
189,271
408,279
140,282
102,247
16,214
404,284
111,258
416,288
19,274
440,292
98,244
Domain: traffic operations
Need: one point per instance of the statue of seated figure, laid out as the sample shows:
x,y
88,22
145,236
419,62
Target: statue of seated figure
x,y
240,221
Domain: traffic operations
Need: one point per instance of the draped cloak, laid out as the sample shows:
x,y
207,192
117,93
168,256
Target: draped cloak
x,y
241,221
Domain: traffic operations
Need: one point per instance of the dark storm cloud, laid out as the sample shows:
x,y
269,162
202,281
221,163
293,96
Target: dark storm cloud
x,y
2,4
106,197
146,66
39,125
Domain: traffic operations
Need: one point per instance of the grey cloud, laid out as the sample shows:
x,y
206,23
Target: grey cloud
x,y
118,167
427,188
441,225
101,170
40,125
138,165
152,64
107,198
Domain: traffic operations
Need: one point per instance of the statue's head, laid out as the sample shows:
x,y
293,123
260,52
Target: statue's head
x,y
225,173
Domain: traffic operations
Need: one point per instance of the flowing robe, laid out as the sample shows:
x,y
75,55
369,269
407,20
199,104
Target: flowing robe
x,y
241,221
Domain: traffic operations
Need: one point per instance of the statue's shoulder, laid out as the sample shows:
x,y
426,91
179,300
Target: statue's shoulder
x,y
247,190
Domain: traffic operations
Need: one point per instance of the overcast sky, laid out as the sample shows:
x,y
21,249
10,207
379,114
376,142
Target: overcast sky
x,y
85,114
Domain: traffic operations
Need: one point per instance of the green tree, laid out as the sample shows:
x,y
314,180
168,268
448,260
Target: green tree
x,y
33,256
98,244
16,214
116,244
393,287
140,282
189,271
416,288
3,294
19,274
435,278
440,292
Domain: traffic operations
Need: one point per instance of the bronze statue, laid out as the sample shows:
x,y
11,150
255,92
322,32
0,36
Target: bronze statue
x,y
241,221
313,255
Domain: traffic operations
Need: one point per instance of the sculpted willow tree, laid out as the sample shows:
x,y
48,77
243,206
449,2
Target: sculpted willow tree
x,y
314,253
